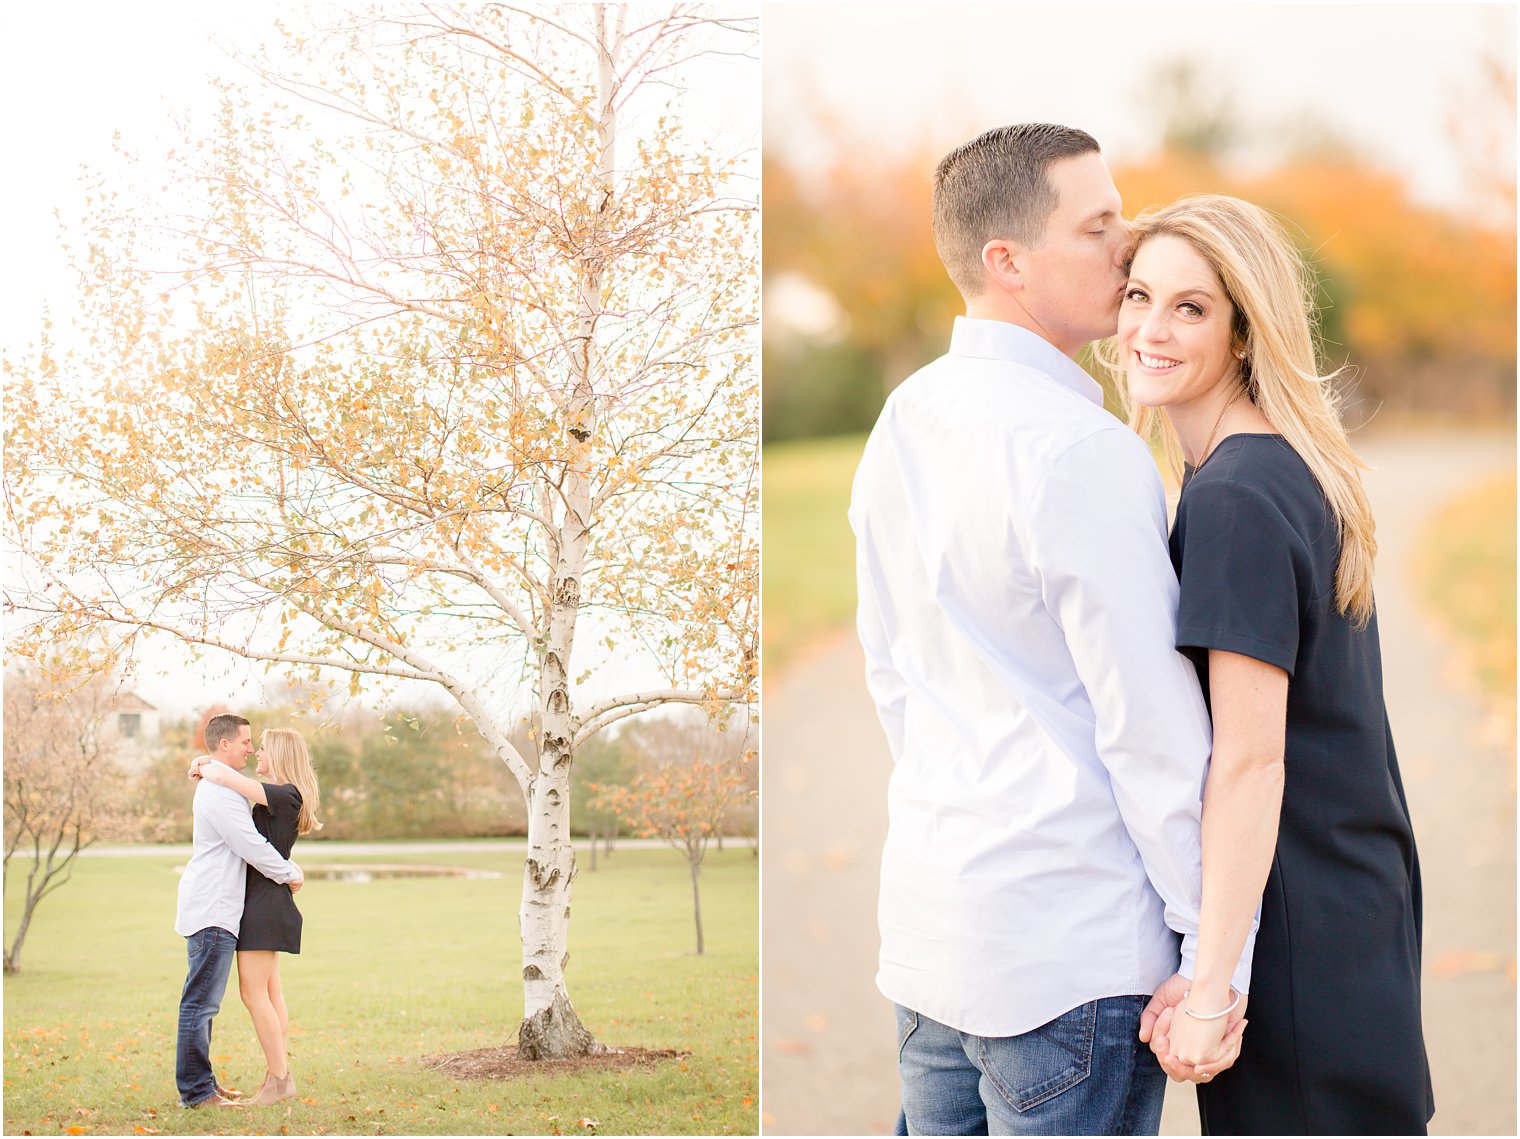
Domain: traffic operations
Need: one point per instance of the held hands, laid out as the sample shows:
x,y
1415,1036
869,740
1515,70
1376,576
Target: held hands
x,y
196,764
1188,1048
1197,1050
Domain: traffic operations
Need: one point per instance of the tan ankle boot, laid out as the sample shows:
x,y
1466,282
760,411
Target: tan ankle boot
x,y
276,1089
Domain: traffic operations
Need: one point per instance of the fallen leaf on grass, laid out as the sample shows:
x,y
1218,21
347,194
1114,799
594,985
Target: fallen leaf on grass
x,y
589,1124
147,1131
306,1100
77,1131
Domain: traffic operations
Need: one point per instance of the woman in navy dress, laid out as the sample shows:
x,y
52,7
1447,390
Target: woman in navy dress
x,y
1303,809
283,808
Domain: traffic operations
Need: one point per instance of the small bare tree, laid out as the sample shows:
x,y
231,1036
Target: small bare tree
x,y
63,789
687,799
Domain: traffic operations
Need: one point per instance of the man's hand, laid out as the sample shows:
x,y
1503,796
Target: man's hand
x,y
299,882
1169,994
1214,1052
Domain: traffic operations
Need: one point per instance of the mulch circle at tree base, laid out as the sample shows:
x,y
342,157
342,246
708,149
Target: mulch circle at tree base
x,y
503,1063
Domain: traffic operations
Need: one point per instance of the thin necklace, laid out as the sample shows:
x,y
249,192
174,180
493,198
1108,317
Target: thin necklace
x,y
1206,447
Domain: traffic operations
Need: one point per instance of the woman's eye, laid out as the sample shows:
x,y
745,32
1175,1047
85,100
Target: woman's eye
x,y
1188,308
1136,295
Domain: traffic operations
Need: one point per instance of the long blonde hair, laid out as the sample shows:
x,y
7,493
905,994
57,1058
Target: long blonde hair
x,y
1273,292
289,762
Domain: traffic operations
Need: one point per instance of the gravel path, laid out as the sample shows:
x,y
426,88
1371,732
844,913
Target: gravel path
x,y
828,1058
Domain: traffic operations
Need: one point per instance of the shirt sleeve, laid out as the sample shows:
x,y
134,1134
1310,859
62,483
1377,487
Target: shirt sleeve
x,y
1242,587
234,824
889,691
284,799
885,683
1097,539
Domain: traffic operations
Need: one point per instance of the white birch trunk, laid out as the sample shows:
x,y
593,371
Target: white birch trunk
x,y
550,1027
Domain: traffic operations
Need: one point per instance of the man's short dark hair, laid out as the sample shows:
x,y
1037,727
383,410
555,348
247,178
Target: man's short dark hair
x,y
998,186
223,727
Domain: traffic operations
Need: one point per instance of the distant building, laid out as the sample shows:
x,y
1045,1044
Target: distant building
x,y
135,724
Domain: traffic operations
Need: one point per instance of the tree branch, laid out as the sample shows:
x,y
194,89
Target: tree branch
x,y
598,716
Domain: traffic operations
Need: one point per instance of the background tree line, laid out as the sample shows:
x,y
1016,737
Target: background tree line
x,y
1419,299
402,773
407,772
72,778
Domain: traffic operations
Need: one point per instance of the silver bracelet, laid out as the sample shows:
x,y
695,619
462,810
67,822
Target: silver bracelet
x,y
1213,1015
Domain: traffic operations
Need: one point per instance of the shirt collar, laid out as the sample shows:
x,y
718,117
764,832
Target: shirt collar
x,y
999,340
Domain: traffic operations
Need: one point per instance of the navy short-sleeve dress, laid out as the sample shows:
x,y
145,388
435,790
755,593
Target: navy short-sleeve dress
x,y
270,917
1334,1044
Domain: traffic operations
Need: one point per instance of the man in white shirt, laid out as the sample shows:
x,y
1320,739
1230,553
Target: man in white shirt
x,y
210,909
1017,610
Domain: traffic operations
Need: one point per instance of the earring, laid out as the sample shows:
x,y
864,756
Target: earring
x,y
1240,355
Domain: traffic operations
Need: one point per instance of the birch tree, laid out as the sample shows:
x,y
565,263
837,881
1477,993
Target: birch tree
x,y
452,382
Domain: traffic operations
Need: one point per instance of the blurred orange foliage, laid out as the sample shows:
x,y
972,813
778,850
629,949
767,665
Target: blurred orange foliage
x,y
860,231
1422,300
1416,282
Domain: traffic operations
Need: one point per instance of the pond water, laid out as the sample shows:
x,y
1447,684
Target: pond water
x,y
368,872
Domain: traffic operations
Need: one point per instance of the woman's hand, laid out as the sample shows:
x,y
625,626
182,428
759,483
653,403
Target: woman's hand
x,y
197,764
1197,1050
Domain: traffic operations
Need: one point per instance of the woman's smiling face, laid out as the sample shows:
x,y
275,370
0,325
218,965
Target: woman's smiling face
x,y
1175,326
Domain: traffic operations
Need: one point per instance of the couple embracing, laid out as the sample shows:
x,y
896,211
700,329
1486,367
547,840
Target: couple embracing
x,y
1136,776
236,898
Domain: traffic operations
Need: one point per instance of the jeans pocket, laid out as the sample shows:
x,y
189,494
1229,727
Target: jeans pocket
x,y
907,1024
1036,1066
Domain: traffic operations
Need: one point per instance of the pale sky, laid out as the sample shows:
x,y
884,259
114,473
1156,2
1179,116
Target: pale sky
x,y
74,75
1387,75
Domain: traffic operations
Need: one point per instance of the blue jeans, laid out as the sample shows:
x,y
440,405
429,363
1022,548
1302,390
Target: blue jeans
x,y
1084,1073
211,951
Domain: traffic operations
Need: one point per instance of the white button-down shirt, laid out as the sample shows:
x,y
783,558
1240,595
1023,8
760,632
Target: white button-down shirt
x,y
226,844
1018,614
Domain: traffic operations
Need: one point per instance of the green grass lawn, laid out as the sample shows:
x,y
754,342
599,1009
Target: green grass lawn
x,y
1466,572
809,561
393,971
